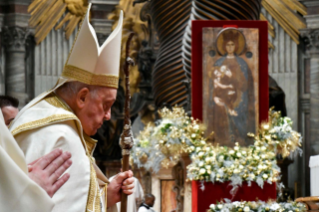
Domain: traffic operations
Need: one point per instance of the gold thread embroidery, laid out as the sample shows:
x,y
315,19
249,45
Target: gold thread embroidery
x,y
93,202
94,199
42,122
57,102
90,143
90,78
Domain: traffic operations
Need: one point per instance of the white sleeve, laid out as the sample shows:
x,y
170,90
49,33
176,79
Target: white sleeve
x,y
17,191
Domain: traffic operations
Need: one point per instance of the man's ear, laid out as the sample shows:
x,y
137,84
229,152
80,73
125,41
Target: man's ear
x,y
82,97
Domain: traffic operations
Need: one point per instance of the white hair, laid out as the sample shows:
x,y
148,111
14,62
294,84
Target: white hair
x,y
70,89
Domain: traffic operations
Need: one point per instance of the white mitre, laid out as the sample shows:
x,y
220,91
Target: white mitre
x,y
91,64
88,62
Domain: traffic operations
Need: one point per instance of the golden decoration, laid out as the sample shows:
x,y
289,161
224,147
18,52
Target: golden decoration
x,y
45,14
56,118
89,78
283,11
131,23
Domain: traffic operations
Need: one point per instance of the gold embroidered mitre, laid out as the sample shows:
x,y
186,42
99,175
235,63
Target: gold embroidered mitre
x,y
90,63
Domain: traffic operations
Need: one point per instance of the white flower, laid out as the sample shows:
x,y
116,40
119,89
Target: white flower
x,y
236,203
221,158
244,152
252,176
219,206
208,159
246,209
258,148
208,167
241,166
290,211
193,135
198,149
263,148
238,154
275,206
236,148
256,157
236,171
201,164
202,171
166,121
265,176
260,166
212,206
263,156
200,154
231,152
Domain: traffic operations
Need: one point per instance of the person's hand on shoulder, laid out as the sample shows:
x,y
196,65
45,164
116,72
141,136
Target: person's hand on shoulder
x,y
47,170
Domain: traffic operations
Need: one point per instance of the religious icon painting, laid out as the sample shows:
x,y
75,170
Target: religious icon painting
x,y
233,95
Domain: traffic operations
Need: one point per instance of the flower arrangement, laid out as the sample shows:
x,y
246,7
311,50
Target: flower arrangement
x,y
278,136
238,164
162,145
257,207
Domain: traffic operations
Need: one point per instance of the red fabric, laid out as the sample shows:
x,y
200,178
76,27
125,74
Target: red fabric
x,y
201,200
197,93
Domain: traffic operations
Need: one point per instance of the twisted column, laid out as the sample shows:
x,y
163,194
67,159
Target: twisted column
x,y
170,20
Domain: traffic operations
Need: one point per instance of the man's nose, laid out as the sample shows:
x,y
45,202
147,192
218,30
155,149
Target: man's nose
x,y
107,115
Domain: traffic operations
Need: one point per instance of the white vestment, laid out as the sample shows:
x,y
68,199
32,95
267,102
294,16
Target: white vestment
x,y
17,191
133,199
44,125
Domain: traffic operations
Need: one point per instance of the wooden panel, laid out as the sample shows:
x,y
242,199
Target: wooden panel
x,y
168,196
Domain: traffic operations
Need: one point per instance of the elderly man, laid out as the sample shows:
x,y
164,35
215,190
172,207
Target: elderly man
x,y
66,116
9,107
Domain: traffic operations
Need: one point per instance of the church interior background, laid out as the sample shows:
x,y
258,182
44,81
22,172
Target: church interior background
x,y
31,62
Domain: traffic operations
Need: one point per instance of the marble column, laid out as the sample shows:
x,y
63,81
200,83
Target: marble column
x,y
311,134
99,18
14,42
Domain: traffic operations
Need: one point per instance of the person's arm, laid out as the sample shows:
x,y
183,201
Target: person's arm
x,y
47,170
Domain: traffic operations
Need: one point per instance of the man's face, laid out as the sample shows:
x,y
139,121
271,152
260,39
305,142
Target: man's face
x,y
9,113
150,201
96,108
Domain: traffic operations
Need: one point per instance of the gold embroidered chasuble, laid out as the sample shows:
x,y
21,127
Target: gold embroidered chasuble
x,y
59,118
